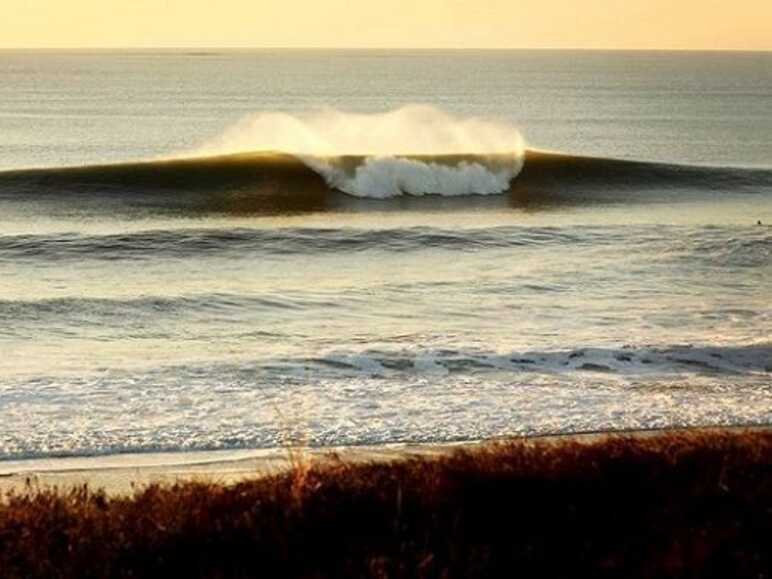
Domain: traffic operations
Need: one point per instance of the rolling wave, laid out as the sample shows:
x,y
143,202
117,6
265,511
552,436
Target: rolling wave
x,y
625,360
751,247
63,312
183,243
283,183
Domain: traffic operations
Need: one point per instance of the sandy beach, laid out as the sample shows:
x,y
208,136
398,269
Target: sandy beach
x,y
125,473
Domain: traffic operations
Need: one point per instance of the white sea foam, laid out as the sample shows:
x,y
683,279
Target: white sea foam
x,y
382,177
415,150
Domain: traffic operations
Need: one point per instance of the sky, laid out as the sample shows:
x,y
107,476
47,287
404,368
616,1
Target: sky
x,y
607,24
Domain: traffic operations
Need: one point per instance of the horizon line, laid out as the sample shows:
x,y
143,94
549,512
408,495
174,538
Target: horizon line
x,y
380,48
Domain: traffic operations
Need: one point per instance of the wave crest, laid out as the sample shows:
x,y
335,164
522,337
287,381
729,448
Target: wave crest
x,y
414,150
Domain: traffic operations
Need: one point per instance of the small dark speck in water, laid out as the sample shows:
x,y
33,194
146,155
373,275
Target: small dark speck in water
x,y
594,367
698,363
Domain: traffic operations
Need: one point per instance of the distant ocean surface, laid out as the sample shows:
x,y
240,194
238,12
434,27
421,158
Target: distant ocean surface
x,y
173,279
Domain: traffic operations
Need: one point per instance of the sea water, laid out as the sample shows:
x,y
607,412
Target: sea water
x,y
418,289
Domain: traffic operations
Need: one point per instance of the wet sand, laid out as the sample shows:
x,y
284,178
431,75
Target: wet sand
x,y
122,474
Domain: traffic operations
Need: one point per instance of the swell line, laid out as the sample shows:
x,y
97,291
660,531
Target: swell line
x,y
182,243
750,245
270,183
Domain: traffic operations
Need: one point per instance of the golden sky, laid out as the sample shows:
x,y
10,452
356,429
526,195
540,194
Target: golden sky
x,y
657,24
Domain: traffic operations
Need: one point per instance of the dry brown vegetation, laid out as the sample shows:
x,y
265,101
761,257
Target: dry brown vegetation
x,y
690,504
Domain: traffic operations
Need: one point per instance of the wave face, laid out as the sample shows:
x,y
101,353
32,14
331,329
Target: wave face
x,y
268,174
280,183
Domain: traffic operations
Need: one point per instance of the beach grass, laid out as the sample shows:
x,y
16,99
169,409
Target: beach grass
x,y
693,503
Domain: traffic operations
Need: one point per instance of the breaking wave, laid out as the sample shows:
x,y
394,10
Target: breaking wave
x,y
390,176
413,150
279,173
278,163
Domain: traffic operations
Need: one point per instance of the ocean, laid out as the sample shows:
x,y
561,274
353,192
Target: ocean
x,y
220,250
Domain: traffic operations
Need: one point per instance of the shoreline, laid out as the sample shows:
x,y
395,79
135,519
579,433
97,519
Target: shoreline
x,y
658,503
121,474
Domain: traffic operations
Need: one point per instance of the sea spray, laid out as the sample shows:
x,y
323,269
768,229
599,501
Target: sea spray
x,y
412,150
